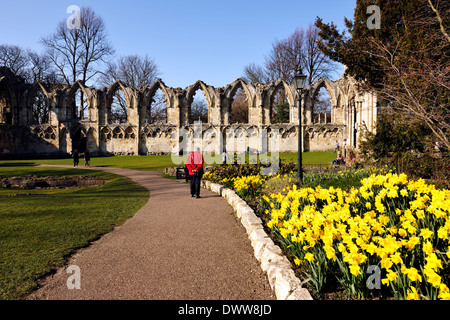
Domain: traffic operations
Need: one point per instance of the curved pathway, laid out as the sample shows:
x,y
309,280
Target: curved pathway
x,y
174,248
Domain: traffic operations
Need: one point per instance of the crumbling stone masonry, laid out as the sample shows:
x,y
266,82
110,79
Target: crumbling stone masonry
x,y
63,130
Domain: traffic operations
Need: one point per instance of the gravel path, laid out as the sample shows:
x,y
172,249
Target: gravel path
x,y
174,248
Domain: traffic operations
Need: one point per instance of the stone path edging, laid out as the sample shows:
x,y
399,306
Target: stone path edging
x,y
277,267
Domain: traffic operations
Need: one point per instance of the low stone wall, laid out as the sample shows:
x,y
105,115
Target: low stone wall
x,y
277,267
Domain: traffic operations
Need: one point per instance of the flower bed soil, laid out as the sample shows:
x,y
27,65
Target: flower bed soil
x,y
50,182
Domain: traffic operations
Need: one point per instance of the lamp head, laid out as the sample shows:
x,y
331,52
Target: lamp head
x,y
299,79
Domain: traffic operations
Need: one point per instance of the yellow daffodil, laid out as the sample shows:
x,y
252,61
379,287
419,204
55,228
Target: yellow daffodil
x,y
309,256
425,233
355,269
412,294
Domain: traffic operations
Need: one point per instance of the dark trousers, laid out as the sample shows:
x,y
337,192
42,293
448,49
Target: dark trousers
x,y
195,185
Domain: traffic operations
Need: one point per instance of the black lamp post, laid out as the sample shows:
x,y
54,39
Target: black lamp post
x,y
299,82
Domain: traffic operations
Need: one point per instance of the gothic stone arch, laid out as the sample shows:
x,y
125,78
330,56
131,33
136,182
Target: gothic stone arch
x,y
352,108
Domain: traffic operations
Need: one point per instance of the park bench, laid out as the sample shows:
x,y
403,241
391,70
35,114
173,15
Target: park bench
x,y
182,173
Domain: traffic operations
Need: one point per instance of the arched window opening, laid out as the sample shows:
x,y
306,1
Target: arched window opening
x,y
49,134
119,108
129,133
79,105
118,133
157,110
279,107
5,107
198,108
40,109
321,112
106,134
79,141
239,107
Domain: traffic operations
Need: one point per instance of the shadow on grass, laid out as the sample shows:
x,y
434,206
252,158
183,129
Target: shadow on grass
x,y
18,164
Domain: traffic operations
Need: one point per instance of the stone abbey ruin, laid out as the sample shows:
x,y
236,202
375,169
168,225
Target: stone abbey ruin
x,y
64,128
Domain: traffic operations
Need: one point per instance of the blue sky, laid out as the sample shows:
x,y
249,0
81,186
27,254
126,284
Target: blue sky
x,y
189,40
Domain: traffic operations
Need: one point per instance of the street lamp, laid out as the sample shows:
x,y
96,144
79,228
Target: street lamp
x,y
299,82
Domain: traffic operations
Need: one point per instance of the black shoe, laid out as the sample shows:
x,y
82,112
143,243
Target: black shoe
x,y
198,197
192,195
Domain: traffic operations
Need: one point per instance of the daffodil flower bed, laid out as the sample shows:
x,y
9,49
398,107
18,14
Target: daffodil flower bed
x,y
388,223
400,226
246,187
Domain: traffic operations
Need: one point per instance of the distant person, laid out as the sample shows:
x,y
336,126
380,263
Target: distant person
x,y
76,158
336,146
194,163
87,159
339,160
224,158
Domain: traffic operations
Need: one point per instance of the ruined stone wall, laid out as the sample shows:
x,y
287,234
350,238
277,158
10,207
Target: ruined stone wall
x,y
65,131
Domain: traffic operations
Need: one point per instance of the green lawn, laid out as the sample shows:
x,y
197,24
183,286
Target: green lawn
x,y
310,158
142,163
40,228
158,163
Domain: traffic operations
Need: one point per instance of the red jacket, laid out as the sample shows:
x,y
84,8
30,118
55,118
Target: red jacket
x,y
195,162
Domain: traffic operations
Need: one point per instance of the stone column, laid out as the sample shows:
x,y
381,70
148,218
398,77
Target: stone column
x,y
175,115
102,112
94,107
214,109
225,111
133,116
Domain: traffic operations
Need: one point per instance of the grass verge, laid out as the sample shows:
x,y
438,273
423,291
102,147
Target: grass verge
x,y
39,229
159,163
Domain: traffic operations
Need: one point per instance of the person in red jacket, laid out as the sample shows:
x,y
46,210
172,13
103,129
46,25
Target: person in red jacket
x,y
194,163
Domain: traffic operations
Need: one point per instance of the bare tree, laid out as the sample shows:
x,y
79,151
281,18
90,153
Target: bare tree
x,y
417,82
40,109
134,71
199,111
137,72
315,63
298,50
28,64
286,56
40,68
440,20
77,53
239,107
15,58
255,74
64,50
157,110
95,44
